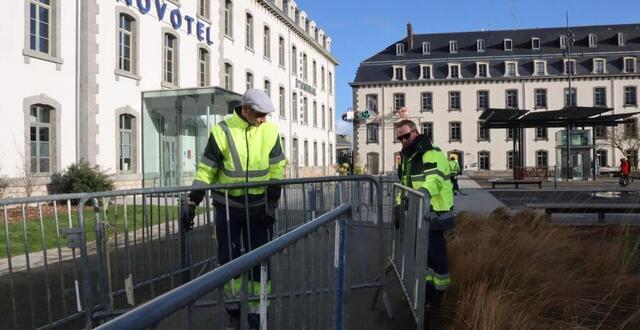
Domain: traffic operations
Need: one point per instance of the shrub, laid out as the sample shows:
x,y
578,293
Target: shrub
x,y
82,177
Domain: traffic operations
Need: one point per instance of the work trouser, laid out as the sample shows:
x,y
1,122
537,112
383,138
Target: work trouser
x,y
454,181
237,235
437,277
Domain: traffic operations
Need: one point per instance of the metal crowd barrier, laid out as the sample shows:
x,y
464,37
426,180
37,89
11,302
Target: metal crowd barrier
x,y
122,248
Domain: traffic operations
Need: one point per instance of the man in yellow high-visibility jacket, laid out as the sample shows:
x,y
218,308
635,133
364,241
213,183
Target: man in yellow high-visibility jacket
x,y
243,148
424,167
454,169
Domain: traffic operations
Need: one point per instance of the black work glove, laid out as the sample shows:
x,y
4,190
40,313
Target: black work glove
x,y
396,216
270,214
187,213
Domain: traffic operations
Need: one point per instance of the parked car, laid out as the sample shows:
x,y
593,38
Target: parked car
x,y
609,171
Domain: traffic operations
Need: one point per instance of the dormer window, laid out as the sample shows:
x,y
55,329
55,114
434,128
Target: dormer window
x,y
425,71
593,40
482,70
599,66
398,72
622,39
454,71
535,43
399,49
539,68
570,67
629,65
563,42
453,46
508,45
426,48
510,69
480,45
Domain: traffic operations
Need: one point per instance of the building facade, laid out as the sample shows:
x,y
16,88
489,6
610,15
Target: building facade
x,y
445,81
78,70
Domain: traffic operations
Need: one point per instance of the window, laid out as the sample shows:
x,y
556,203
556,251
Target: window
x,y
294,107
267,42
454,71
455,131
331,120
305,110
512,98
267,87
629,64
372,133
510,160
631,129
482,70
41,26
540,68
593,40
483,100
483,133
542,158
373,163
399,49
330,83
372,102
323,117
203,8
542,133
249,80
484,160
570,97
314,73
630,97
426,104
324,154
480,46
535,43
330,153
306,153
127,44
228,18
603,158
305,70
203,67
600,97
281,101
322,83
170,53
508,45
398,101
294,60
281,51
454,100
398,73
570,67
425,71
563,42
315,153
249,32
511,69
228,76
622,39
599,66
453,46
540,98
42,139
601,132
315,114
426,48
427,130
126,150
511,133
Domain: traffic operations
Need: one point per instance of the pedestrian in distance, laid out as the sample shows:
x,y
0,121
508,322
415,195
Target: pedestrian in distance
x,y
625,170
454,169
424,167
241,149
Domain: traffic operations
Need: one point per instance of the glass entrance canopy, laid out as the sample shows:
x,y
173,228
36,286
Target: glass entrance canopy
x,y
175,128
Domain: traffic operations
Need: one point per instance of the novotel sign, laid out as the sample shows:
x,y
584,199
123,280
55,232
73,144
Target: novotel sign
x,y
201,30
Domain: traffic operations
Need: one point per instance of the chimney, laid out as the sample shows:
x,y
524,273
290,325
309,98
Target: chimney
x,y
409,37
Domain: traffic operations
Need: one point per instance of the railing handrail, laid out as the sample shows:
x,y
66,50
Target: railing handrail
x,y
152,312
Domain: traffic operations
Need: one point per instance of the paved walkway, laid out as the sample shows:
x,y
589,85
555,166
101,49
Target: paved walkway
x,y
474,199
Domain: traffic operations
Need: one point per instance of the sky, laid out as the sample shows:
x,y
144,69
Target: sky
x,y
359,29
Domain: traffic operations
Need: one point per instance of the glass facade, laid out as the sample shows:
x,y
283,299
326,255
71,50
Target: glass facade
x,y
175,129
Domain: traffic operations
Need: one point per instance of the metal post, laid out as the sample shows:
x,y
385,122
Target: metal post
x,y
595,155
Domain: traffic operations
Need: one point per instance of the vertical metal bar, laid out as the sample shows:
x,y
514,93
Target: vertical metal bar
x,y
100,249
73,254
28,263
422,251
86,275
304,281
60,259
149,244
107,255
128,282
244,304
184,251
340,274
304,205
167,237
10,265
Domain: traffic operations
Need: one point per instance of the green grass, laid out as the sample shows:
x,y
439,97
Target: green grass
x,y
34,229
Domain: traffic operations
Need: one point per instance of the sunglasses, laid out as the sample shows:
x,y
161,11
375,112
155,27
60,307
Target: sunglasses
x,y
405,136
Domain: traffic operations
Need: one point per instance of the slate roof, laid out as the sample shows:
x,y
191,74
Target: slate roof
x,y
379,67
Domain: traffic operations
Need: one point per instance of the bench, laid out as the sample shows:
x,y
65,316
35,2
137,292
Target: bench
x,y
635,175
600,208
517,183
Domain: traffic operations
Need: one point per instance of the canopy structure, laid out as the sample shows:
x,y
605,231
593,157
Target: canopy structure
x,y
568,118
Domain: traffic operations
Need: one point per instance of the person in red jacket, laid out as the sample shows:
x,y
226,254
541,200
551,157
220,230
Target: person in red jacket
x,y
625,169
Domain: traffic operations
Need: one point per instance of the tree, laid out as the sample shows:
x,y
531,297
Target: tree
x,y
624,141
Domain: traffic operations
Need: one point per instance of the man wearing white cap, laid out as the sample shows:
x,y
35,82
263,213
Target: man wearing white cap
x,y
243,148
